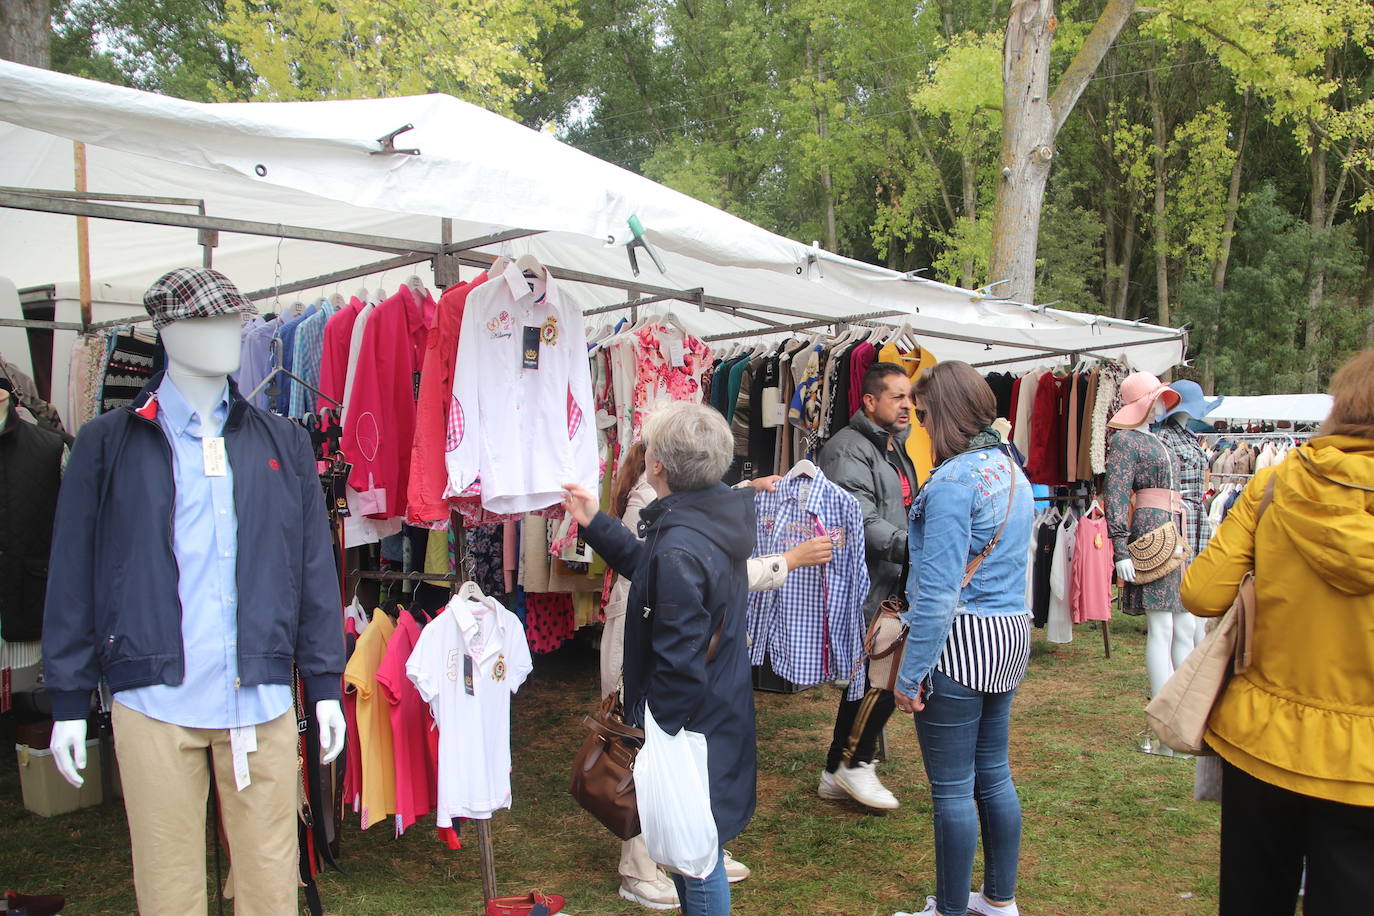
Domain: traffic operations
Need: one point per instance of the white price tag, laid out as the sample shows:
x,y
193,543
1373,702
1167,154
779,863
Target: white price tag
x,y
216,461
677,353
242,741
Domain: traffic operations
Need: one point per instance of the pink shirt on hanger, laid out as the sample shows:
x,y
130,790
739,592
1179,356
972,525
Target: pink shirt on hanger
x,y
1090,586
414,749
338,334
425,503
379,428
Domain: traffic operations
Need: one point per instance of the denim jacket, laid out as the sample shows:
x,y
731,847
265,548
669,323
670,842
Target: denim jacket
x,y
952,519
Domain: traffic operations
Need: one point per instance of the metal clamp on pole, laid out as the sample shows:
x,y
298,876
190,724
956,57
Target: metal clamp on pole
x,y
388,143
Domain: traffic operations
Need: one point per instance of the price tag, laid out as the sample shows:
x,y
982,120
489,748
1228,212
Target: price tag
x,y
6,689
677,353
216,461
467,676
530,348
242,742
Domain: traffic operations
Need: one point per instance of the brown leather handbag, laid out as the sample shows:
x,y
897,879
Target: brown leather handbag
x,y
603,772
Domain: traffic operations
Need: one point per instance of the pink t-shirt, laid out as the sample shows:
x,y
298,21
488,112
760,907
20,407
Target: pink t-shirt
x,y
1090,585
415,742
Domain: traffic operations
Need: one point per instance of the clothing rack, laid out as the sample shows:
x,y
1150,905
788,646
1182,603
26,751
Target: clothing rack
x,y
484,847
1276,434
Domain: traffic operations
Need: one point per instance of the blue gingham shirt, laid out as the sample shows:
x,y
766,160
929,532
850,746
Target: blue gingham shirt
x,y
286,333
308,350
788,623
205,543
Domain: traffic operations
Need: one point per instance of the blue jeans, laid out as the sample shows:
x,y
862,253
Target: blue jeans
x,y
963,735
709,896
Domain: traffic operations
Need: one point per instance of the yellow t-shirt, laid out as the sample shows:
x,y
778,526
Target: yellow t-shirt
x,y
374,721
918,440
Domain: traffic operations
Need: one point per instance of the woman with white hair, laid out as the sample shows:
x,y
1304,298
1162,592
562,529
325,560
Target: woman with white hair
x,y
686,653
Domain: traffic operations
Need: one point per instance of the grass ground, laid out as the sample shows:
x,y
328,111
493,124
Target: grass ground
x,y
1107,830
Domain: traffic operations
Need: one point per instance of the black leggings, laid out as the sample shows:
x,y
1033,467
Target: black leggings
x,y
1268,833
859,723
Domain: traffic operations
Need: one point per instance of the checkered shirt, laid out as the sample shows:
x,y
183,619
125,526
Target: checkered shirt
x,y
788,623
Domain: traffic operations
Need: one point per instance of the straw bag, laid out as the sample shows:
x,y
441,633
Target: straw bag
x,y
1179,714
1156,553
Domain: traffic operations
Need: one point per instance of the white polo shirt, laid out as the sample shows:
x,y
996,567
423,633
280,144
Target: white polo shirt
x,y
521,420
474,728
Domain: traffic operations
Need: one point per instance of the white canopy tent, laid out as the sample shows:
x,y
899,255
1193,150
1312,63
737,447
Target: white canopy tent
x,y
305,170
1299,408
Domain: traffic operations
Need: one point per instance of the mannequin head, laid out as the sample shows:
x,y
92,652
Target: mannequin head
x,y
205,347
1145,399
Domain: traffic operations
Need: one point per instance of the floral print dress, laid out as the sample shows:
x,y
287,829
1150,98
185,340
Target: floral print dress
x,y
1138,460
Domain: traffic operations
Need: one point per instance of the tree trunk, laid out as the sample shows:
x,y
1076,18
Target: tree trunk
x,y
1223,261
1127,256
1031,120
1161,225
970,214
25,32
1316,291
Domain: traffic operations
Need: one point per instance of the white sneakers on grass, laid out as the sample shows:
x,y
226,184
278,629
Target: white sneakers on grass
x,y
659,894
859,782
977,904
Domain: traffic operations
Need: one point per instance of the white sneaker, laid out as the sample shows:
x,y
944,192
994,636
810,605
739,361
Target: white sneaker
x,y
861,783
735,871
828,788
659,894
930,909
979,904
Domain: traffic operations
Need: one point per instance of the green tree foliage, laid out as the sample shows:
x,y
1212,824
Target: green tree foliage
x,y
1220,158
474,49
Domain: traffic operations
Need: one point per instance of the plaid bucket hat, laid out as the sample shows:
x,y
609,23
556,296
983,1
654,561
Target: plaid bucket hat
x,y
193,292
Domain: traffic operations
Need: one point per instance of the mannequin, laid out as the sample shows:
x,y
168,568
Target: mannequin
x,y
1174,432
1138,460
227,519
201,352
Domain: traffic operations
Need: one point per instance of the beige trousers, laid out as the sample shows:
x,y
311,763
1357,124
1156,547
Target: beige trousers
x,y
166,779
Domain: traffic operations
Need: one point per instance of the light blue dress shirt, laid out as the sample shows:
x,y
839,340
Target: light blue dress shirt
x,y
205,543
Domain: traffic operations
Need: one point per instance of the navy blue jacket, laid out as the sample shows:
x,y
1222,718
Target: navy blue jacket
x,y
112,606
688,577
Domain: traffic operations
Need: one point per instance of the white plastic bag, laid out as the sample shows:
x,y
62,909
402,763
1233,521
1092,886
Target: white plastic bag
x,y
674,795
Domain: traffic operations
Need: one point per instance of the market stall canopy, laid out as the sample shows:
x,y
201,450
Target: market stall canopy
x,y
1299,408
320,164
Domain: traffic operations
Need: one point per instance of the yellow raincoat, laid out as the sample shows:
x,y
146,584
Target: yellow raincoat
x,y
1302,716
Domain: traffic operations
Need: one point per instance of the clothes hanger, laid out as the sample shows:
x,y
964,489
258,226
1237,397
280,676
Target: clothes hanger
x,y
470,591
803,468
498,266
417,286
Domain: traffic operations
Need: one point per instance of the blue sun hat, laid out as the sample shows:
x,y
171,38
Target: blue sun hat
x,y
1191,400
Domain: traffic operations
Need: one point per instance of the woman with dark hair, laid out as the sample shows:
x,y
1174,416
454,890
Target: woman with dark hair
x,y
1295,732
969,639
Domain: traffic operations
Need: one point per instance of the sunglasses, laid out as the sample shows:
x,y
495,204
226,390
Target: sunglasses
x,y
920,415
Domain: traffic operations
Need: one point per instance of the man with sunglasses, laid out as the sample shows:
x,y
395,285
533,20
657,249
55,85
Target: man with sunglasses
x,y
868,459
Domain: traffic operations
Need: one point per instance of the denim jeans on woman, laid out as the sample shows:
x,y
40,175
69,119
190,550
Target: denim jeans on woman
x,y
709,896
963,735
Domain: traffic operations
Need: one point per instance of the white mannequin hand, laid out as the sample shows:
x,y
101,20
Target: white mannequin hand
x,y
68,745
1125,570
329,715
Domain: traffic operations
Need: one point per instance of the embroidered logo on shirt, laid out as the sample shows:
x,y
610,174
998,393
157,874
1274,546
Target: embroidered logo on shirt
x,y
498,670
501,326
451,665
272,463
548,331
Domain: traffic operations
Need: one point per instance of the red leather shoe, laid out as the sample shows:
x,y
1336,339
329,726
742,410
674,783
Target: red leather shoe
x,y
534,904
45,905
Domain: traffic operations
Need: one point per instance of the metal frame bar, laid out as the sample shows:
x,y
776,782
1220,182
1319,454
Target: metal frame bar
x,y
412,251
37,202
